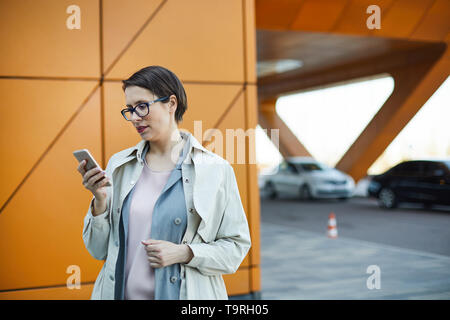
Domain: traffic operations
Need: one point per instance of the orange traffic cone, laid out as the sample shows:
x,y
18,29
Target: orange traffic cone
x,y
332,228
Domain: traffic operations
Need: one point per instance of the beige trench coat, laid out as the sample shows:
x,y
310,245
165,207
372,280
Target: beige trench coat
x,y
217,228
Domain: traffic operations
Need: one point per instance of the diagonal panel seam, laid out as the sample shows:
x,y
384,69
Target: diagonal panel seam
x,y
422,18
294,19
340,17
47,150
227,110
133,39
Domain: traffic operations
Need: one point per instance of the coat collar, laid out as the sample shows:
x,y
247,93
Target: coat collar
x,y
201,157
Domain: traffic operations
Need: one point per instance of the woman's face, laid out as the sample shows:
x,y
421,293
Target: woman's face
x,y
160,117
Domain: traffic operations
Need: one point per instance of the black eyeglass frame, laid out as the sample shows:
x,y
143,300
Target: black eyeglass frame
x,y
133,109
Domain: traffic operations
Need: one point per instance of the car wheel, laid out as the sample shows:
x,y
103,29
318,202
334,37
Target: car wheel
x,y
305,192
387,198
269,190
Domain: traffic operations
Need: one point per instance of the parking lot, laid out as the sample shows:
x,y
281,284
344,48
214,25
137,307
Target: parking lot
x,y
410,245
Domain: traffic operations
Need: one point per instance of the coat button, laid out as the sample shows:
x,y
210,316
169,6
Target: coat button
x,y
191,210
173,279
118,210
186,180
116,243
184,241
111,277
177,220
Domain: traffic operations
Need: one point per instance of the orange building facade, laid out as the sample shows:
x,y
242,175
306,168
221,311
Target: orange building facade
x,y
61,68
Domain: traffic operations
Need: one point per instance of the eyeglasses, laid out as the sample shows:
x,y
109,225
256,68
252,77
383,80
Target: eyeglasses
x,y
141,109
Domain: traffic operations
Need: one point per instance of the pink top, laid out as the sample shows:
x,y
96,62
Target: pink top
x,y
139,276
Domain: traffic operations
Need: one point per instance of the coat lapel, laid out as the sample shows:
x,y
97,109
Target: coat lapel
x,y
207,175
207,194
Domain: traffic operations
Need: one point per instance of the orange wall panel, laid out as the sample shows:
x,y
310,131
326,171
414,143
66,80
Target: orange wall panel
x,y
435,24
250,41
122,20
41,226
252,177
321,15
36,41
68,83
199,46
46,107
238,283
402,18
255,279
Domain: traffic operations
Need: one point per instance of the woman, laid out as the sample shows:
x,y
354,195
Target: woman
x,y
172,222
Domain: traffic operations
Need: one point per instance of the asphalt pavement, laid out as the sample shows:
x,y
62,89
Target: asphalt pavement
x,y
409,249
410,226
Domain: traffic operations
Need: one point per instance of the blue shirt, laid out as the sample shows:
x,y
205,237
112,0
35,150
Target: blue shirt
x,y
169,222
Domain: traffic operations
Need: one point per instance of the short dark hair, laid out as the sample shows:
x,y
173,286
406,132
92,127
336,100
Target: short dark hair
x,y
161,82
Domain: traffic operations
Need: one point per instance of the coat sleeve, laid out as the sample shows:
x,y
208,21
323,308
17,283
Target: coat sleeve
x,y
96,228
225,254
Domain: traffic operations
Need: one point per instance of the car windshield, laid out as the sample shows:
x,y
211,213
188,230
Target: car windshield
x,y
447,163
313,166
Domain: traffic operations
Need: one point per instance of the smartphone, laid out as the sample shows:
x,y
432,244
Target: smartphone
x,y
84,154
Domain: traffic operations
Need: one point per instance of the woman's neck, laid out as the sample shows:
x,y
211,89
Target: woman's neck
x,y
163,148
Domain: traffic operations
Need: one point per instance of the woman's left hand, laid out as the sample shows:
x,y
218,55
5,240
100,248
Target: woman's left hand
x,y
162,253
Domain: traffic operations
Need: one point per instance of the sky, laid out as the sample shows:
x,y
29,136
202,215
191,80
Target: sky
x,y
328,120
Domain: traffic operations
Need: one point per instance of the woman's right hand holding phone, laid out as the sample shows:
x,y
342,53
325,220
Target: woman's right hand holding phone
x,y
95,181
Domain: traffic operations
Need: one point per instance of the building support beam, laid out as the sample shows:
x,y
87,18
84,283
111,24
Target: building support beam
x,y
414,85
289,145
417,75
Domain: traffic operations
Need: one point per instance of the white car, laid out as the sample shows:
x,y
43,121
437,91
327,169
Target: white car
x,y
308,179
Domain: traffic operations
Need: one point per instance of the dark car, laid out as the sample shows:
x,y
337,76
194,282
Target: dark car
x,y
423,181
